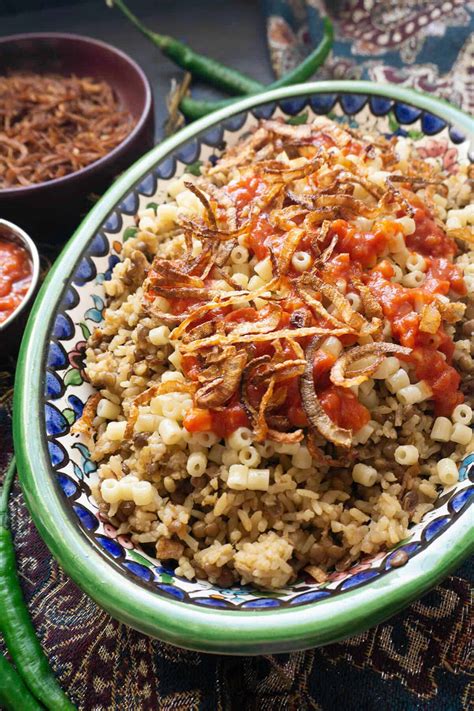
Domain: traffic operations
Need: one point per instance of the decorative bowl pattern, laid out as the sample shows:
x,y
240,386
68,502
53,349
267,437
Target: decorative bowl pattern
x,y
77,307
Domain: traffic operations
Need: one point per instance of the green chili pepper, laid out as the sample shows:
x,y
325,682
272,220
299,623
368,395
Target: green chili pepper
x,y
15,622
13,691
194,109
199,65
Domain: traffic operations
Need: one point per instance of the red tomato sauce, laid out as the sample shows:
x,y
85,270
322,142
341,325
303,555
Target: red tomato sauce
x,y
245,190
443,379
442,275
221,422
362,247
15,277
260,232
343,407
340,404
429,239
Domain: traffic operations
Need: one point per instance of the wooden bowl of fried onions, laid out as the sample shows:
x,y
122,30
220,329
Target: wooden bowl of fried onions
x,y
75,112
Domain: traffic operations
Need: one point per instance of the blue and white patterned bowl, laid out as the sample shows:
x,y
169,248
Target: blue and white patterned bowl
x,y
51,391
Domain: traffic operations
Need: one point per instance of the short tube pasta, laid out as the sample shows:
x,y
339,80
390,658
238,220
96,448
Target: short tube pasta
x,y
397,381
448,472
239,255
364,475
170,431
240,438
442,429
110,491
389,367
411,394
414,279
142,492
196,464
462,414
116,431
416,262
354,300
301,261
406,455
462,434
249,456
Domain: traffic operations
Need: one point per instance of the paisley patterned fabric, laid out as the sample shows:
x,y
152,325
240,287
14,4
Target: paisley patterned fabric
x,y
425,44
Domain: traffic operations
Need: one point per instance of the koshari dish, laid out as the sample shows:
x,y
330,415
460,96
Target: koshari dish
x,y
15,277
284,369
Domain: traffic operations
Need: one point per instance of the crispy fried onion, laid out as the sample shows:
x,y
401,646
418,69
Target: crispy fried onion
x,y
241,152
218,340
261,427
164,271
343,309
317,243
416,180
84,424
284,218
264,325
203,199
292,240
147,395
349,203
221,300
285,437
280,172
198,228
203,330
372,308
219,390
314,411
169,279
368,358
280,372
261,368
317,306
399,196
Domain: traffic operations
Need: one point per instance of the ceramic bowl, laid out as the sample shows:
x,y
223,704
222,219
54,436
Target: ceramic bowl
x,y
51,390
49,210
11,330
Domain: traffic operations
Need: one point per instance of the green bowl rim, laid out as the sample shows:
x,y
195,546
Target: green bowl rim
x,y
209,630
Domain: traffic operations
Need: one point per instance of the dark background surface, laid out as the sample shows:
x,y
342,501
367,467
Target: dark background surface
x,y
236,38
417,661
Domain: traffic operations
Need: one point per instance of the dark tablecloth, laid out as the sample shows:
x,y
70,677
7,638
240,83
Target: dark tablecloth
x,y
418,659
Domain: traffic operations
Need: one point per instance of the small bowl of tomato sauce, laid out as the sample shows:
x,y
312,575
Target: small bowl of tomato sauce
x,y
19,275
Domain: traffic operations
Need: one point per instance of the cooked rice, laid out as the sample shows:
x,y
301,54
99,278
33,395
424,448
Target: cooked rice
x,y
311,513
